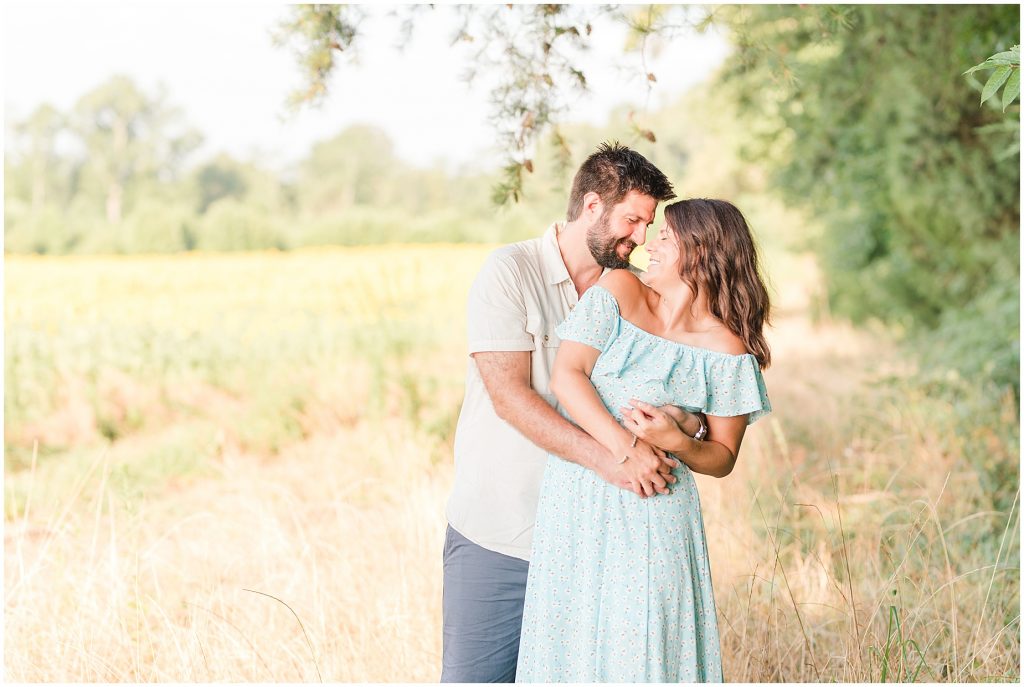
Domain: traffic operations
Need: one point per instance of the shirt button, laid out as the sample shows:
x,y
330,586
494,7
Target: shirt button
x,y
571,307
545,337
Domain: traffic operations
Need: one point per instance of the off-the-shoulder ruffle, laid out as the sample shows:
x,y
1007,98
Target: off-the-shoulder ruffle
x,y
720,384
594,321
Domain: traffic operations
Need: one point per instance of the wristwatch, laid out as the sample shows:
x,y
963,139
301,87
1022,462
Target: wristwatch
x,y
703,431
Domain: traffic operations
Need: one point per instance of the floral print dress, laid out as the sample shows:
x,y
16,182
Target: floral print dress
x,y
619,588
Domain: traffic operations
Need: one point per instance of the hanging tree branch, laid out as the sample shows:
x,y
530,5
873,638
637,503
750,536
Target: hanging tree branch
x,y
535,52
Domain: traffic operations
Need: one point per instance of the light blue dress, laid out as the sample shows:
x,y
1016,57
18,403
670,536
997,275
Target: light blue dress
x,y
619,588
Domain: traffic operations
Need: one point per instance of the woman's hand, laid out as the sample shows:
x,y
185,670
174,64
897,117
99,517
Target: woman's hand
x,y
661,427
715,455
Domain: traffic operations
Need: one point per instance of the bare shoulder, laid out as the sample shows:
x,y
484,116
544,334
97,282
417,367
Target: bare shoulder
x,y
629,292
724,341
622,284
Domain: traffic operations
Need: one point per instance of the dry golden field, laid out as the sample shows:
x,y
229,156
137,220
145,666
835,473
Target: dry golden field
x,y
234,467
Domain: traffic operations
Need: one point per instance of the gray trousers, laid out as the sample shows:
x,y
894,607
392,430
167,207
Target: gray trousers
x,y
482,605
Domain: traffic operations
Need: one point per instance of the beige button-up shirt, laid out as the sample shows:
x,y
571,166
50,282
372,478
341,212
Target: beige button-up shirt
x,y
522,293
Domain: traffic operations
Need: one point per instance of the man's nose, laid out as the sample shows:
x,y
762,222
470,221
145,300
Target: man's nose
x,y
639,236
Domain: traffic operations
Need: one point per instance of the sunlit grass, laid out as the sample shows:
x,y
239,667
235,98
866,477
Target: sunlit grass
x,y
234,467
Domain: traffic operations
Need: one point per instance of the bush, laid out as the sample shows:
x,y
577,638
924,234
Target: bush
x,y
158,227
230,225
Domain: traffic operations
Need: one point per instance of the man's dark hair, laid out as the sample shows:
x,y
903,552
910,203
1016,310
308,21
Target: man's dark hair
x,y
612,172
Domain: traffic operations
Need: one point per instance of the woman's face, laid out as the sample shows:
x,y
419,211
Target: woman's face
x,y
664,252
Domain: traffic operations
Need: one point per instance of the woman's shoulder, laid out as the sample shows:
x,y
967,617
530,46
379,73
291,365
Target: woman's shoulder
x,y
625,286
629,292
721,340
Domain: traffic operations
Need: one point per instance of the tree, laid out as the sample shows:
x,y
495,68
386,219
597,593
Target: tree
x,y
37,140
41,180
222,177
129,136
356,167
863,117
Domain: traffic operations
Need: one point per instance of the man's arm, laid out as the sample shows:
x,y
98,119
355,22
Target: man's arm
x,y
506,376
571,383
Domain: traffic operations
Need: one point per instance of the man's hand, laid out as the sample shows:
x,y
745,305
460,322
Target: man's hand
x,y
506,376
619,475
607,470
644,466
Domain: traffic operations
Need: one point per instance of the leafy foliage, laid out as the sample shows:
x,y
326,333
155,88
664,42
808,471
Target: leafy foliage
x,y
1005,68
316,33
531,57
535,52
860,113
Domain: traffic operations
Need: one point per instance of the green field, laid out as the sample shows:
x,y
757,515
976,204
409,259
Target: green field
x,y
233,468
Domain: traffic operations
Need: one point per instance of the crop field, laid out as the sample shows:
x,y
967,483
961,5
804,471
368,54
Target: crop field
x,y
234,468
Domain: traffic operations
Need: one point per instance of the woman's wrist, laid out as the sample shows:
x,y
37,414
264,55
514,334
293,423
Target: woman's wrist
x,y
688,425
691,425
700,432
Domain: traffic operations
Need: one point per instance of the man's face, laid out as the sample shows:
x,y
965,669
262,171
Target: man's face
x,y
620,229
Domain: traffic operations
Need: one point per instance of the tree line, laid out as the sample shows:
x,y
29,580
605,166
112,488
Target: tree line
x,y
118,173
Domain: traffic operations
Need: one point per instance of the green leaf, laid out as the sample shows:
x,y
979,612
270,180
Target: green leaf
x,y
1012,89
983,65
988,64
1011,56
998,78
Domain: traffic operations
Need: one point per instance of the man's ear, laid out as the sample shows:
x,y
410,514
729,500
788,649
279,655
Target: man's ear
x,y
592,206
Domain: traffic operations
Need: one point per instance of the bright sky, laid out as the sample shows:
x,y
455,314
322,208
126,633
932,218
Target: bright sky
x,y
220,66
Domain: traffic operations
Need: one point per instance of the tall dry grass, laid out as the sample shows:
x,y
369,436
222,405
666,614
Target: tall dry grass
x,y
234,468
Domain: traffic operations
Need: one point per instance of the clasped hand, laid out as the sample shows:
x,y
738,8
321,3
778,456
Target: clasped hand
x,y
646,468
658,426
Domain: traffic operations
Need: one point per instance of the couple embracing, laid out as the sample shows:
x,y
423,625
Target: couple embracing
x,y
575,550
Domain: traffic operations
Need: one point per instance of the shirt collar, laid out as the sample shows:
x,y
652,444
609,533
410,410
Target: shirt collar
x,y
554,266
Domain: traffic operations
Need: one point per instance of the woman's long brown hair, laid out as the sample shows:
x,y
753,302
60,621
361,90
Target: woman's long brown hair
x,y
717,256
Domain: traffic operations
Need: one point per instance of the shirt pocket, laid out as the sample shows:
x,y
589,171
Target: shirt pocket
x,y
547,339
545,348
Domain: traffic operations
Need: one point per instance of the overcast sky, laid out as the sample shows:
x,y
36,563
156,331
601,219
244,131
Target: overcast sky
x,y
219,64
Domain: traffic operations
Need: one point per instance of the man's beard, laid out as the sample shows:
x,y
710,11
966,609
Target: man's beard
x,y
602,246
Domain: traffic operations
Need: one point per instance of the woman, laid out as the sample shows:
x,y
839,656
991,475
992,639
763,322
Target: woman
x,y
619,588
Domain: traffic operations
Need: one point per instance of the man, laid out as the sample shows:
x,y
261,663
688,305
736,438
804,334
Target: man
x,y
508,422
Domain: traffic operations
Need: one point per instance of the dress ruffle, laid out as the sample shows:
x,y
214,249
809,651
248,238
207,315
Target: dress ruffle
x,y
715,383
